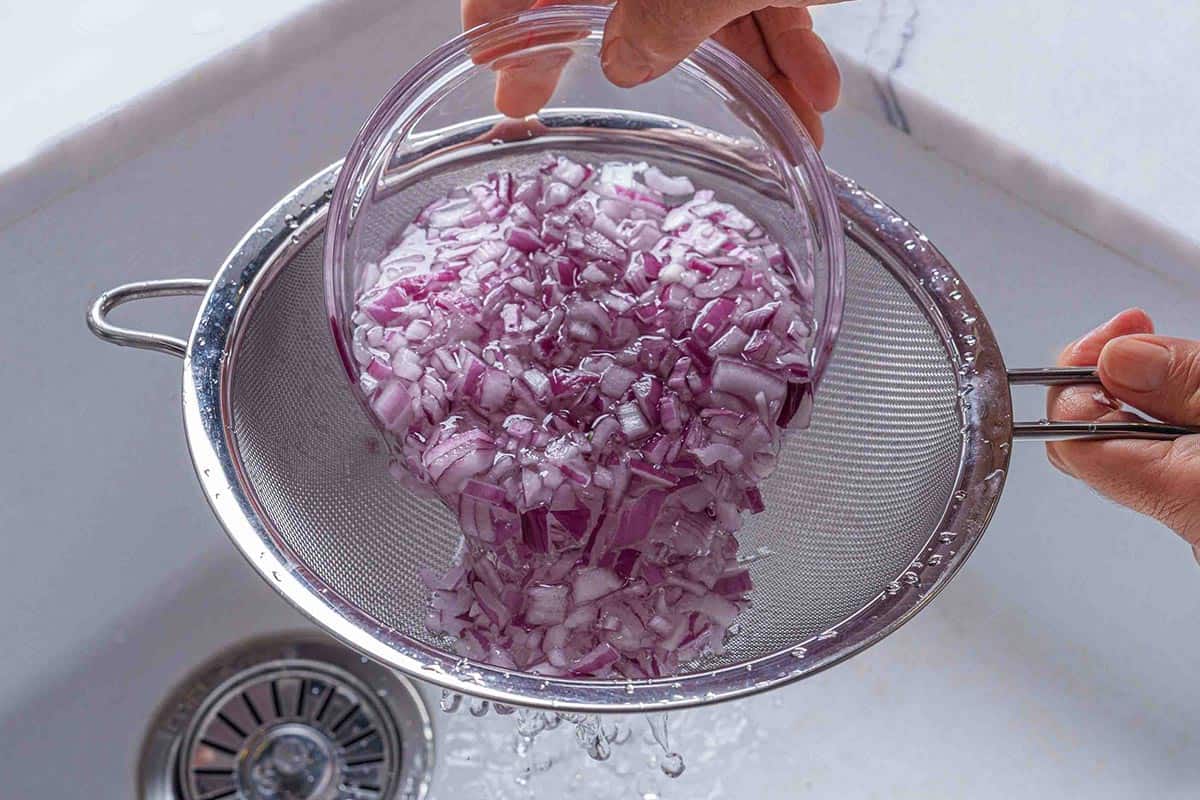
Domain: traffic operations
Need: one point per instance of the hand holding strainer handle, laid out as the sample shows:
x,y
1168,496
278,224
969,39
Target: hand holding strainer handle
x,y
1049,430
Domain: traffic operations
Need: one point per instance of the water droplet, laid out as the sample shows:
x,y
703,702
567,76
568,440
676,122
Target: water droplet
x,y
291,222
892,589
827,635
935,560
799,651
960,495
450,701
672,765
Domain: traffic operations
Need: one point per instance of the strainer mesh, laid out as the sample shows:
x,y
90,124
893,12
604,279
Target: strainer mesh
x,y
854,499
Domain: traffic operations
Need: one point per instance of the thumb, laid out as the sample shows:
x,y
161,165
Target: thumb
x,y
645,38
1156,374
1161,376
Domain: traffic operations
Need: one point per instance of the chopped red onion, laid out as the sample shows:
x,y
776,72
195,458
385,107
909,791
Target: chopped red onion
x,y
592,367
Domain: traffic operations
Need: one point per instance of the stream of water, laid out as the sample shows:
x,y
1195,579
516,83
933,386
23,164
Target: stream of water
x,y
502,754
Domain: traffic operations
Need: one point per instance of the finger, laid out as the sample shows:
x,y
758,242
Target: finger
x,y
645,38
1156,374
477,12
525,84
512,130
800,54
1081,403
1087,403
744,37
1085,351
1155,478
525,81
800,104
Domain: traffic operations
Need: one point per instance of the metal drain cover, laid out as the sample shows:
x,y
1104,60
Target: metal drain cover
x,y
289,718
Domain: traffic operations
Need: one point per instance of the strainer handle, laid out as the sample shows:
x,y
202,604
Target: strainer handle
x,y
1049,430
98,323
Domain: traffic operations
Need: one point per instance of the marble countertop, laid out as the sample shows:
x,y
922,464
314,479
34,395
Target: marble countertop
x,y
1087,112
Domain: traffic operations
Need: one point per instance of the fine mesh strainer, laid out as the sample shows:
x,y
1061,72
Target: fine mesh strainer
x,y
870,513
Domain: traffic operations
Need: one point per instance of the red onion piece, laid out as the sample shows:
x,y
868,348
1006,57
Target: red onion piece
x,y
592,583
546,605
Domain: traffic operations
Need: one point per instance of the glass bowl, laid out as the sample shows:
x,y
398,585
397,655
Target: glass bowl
x,y
711,118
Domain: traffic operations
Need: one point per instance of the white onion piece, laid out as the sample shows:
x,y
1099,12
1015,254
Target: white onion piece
x,y
591,366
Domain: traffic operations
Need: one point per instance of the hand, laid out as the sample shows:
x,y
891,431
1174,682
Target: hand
x,y
646,38
1158,375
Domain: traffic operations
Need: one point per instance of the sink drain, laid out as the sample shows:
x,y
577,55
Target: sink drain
x,y
289,718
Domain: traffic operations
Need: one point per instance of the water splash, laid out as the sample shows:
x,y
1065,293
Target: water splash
x,y
535,754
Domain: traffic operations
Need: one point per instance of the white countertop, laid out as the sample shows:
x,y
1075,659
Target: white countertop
x,y
1086,111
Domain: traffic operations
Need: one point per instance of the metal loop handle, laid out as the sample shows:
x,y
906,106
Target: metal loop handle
x,y
98,323
1049,430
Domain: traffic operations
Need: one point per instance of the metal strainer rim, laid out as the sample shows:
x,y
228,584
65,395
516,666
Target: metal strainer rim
x,y
287,228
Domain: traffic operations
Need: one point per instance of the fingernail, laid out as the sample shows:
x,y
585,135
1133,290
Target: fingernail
x,y
1136,364
623,64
